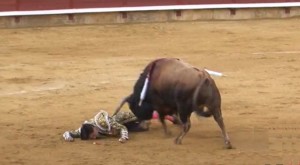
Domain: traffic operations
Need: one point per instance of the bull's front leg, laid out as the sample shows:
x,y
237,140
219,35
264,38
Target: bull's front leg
x,y
185,121
162,120
185,128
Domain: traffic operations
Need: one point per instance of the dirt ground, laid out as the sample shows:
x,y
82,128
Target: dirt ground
x,y
52,79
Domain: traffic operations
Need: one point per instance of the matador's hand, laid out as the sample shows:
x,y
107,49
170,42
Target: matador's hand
x,y
123,140
67,136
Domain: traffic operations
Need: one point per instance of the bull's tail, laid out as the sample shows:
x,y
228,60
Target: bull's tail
x,y
121,105
200,111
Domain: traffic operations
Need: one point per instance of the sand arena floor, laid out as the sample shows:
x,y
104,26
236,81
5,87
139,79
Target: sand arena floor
x,y
52,79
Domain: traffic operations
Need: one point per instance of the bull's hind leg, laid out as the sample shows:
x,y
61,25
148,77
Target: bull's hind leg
x,y
219,119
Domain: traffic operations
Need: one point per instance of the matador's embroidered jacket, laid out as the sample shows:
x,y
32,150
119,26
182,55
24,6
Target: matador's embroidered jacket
x,y
109,125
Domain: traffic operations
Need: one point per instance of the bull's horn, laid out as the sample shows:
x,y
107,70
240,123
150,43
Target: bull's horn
x,y
121,105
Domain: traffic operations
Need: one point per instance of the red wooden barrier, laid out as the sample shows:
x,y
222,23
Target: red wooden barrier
x,y
43,4
8,5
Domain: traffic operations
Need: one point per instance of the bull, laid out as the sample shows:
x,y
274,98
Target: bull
x,y
176,88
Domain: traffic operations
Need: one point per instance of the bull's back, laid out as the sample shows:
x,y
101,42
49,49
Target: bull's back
x,y
170,71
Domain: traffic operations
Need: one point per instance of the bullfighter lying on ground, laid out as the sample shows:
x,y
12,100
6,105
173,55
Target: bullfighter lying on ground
x,y
103,124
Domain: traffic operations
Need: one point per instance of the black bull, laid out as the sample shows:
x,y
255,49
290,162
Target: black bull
x,y
175,87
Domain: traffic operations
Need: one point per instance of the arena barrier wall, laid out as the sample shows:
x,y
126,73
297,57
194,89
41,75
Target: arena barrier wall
x,y
32,13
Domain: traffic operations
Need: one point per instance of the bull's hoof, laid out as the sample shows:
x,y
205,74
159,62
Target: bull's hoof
x,y
177,141
229,146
